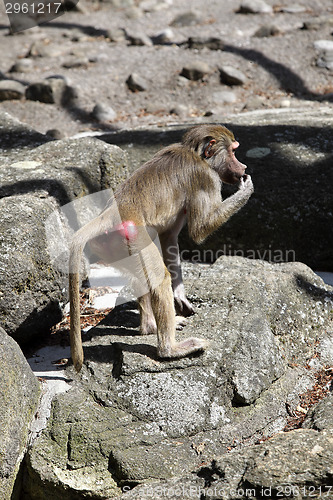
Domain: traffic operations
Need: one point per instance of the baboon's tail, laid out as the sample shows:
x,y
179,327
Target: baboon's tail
x,y
74,301
81,237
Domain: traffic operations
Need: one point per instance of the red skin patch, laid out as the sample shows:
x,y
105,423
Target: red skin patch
x,y
128,230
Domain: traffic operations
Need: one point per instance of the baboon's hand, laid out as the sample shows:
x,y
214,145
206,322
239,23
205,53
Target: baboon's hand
x,y
246,183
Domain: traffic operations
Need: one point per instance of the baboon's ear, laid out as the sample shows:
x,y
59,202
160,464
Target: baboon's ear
x,y
208,149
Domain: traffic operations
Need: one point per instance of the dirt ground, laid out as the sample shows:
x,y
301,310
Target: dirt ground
x,y
281,70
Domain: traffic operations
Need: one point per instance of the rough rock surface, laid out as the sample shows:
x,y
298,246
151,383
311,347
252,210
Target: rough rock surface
x,y
320,416
291,465
37,177
31,289
64,169
130,418
16,136
18,403
300,459
289,65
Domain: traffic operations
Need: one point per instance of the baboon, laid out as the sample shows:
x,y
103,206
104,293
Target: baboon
x,y
181,183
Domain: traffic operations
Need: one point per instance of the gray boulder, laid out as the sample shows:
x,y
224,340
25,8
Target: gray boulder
x,y
16,137
131,418
31,290
295,465
36,181
320,416
73,464
64,169
18,402
223,96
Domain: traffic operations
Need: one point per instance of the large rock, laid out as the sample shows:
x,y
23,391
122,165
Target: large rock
x,y
36,180
321,415
73,464
297,462
289,216
131,418
18,403
65,169
295,465
31,289
16,136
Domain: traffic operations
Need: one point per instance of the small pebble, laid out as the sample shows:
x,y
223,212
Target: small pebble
x,y
22,66
323,45
224,96
196,70
266,31
138,39
164,38
255,7
136,83
103,113
186,19
55,134
11,89
285,103
231,76
294,9
180,110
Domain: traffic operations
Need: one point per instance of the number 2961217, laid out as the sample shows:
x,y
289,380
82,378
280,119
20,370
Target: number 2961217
x,y
32,8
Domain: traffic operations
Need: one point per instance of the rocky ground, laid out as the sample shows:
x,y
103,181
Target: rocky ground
x,y
128,418
269,58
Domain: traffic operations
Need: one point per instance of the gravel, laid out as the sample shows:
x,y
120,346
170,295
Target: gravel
x,y
96,49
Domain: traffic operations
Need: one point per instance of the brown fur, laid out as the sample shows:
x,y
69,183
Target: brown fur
x,y
180,182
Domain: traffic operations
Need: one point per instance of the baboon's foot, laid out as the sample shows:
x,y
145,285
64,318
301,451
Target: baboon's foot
x,y
182,349
183,306
180,322
148,326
